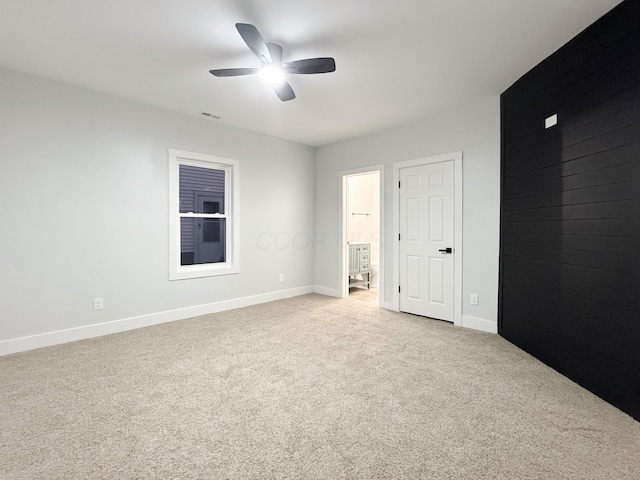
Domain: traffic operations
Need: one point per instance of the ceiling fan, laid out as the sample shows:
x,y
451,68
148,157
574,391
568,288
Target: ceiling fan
x,y
272,68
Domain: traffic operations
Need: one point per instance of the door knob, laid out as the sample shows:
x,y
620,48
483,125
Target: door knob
x,y
446,250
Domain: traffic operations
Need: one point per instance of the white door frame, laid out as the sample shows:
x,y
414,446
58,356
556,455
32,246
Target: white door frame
x,y
457,244
344,267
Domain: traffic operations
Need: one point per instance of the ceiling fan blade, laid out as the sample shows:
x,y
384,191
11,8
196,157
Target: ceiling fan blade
x,y
233,72
310,65
254,41
276,53
284,90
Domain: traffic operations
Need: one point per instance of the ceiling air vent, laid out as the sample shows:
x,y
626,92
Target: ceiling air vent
x,y
210,115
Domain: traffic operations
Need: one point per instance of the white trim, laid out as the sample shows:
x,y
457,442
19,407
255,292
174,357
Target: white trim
x,y
481,324
201,215
388,306
344,267
328,292
99,329
457,244
232,214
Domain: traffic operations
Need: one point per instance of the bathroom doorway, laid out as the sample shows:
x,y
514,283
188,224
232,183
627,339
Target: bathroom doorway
x,y
362,234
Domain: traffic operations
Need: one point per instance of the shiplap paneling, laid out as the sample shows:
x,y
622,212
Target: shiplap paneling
x,y
570,220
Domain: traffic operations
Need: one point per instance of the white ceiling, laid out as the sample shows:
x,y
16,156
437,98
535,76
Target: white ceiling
x,y
397,61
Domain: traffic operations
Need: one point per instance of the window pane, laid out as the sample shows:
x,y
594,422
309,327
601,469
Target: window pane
x,y
210,207
211,230
202,240
201,190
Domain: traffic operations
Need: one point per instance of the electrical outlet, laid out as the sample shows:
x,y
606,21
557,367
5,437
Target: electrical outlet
x,y
474,299
282,277
98,303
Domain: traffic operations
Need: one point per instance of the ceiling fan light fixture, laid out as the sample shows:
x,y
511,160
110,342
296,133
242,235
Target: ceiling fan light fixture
x,y
271,74
272,68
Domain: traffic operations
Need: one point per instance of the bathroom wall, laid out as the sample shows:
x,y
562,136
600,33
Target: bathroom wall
x,y
363,216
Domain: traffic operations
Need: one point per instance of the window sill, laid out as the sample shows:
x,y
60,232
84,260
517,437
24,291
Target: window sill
x,y
200,271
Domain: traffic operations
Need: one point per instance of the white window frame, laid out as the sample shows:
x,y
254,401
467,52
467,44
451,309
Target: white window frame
x,y
232,174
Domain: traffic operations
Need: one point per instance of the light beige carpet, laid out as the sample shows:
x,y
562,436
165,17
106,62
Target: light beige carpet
x,y
310,387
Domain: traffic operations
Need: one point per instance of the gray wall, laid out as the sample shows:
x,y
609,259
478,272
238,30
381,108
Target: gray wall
x,y
475,130
84,208
84,205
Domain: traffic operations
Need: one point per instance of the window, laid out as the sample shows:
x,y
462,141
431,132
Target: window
x,y
203,218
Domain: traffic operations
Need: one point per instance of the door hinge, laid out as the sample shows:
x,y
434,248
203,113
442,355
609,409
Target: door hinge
x,y
398,288
398,184
398,237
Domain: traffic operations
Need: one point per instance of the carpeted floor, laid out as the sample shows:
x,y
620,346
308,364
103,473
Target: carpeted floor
x,y
309,387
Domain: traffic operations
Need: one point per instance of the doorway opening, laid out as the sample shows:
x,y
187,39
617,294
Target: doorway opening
x,y
362,238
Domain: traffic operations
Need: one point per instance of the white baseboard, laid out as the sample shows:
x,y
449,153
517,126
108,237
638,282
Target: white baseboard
x,y
329,292
479,324
96,330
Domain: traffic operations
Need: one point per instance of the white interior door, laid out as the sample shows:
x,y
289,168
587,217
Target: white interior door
x,y
427,240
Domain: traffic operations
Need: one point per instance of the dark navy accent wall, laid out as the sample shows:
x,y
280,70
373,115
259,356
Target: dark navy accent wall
x,y
570,219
